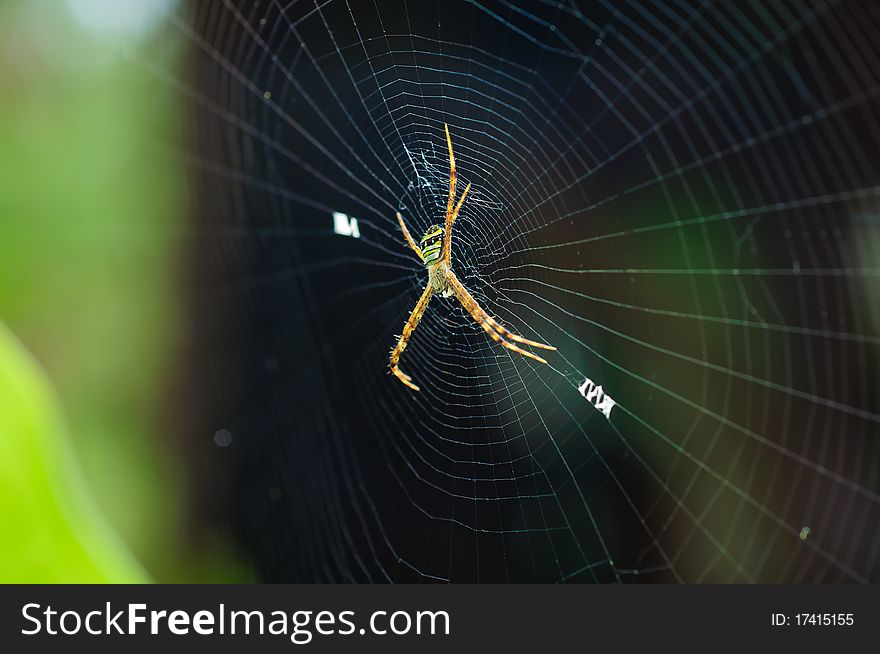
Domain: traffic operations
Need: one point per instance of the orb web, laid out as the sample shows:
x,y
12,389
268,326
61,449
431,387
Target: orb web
x,y
681,197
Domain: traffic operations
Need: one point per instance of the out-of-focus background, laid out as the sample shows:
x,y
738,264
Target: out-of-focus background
x,y
92,210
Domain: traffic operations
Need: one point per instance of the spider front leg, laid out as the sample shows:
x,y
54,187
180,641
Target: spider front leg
x,y
408,330
496,330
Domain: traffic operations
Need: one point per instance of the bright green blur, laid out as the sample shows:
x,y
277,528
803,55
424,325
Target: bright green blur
x,y
52,531
92,212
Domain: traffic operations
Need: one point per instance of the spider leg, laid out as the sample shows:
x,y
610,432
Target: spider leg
x,y
506,333
490,325
408,330
451,209
449,204
449,222
501,329
409,239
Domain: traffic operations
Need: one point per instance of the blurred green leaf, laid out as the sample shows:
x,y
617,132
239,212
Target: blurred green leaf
x,y
52,531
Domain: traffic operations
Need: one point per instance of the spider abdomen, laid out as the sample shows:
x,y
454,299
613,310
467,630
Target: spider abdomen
x,y
432,245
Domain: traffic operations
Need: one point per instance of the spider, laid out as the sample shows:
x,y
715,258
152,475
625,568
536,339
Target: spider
x,y
436,255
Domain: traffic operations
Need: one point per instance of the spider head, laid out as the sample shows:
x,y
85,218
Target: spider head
x,y
432,243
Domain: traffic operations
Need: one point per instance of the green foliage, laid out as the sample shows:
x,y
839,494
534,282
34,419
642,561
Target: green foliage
x,y
52,531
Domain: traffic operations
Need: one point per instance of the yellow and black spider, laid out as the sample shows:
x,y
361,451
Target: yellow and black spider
x,y
436,255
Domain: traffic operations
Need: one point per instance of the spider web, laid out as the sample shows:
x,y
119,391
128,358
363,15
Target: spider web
x,y
680,196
